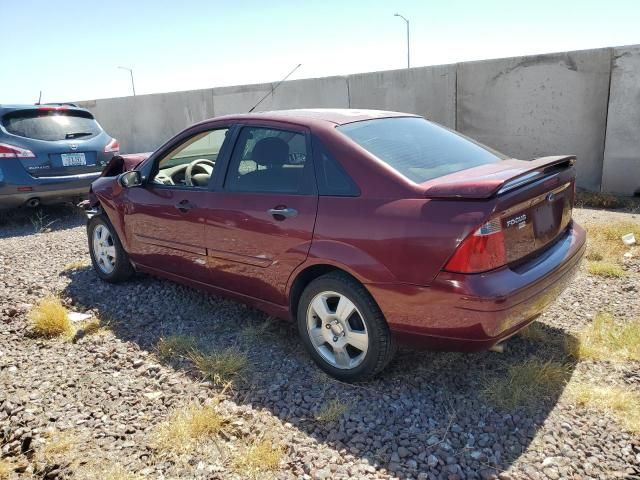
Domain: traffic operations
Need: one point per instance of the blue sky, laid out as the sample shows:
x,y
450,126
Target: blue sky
x,y
70,49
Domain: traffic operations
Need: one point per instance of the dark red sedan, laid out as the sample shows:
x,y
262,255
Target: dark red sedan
x,y
367,228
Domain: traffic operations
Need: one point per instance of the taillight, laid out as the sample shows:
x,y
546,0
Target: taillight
x,y
481,251
112,146
11,151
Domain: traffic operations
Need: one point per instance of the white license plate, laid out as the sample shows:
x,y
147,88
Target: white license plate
x,y
73,159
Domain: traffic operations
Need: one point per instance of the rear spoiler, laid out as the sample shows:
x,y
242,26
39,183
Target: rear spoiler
x,y
492,179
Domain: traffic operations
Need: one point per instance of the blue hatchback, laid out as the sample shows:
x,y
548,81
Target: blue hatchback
x,y
50,153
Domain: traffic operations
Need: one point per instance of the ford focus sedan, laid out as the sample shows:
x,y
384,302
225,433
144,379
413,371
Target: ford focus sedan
x,y
50,153
368,229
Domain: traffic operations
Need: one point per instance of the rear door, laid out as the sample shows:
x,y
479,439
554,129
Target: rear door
x,y
259,224
64,141
165,216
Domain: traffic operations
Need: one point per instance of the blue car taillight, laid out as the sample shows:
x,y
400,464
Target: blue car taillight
x,y
11,151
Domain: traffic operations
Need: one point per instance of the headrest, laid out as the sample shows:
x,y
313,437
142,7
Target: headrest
x,y
271,151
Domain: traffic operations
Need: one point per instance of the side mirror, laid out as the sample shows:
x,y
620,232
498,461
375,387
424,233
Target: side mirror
x,y
130,179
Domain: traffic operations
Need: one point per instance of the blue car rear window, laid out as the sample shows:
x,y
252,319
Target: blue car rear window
x,y
418,149
51,125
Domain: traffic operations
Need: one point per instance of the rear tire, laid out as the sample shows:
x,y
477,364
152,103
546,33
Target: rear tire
x,y
343,329
108,257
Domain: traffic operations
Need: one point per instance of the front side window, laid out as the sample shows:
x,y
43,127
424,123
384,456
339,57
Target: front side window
x,y
269,160
192,163
418,149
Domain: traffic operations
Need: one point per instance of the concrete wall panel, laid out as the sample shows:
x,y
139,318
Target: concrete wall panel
x,y
240,99
145,122
328,92
621,172
426,91
316,92
539,105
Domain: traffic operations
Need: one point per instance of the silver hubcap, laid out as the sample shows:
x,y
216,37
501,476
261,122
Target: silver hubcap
x,y
104,249
337,330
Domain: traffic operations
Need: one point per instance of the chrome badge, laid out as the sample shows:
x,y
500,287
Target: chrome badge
x,y
519,220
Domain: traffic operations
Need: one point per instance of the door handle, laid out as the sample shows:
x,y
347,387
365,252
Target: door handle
x,y
283,212
184,206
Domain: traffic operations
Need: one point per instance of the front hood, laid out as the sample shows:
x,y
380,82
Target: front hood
x,y
487,180
124,163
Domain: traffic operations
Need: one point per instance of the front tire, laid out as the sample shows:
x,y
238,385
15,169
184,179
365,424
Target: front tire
x,y
109,259
343,328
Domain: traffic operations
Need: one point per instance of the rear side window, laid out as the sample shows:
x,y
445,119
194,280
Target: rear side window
x,y
269,160
418,149
51,125
332,179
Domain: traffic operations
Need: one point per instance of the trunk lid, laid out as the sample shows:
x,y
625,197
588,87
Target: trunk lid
x,y
531,225
533,201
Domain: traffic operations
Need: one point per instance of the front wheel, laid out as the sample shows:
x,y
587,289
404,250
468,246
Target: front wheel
x,y
109,259
343,328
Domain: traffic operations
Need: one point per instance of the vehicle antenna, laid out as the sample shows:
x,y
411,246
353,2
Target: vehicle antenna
x,y
39,98
274,88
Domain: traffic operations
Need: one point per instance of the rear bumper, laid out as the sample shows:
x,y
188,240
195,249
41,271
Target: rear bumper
x,y
474,312
48,190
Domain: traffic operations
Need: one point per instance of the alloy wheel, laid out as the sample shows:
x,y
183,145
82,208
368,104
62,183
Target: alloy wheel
x,y
337,330
104,250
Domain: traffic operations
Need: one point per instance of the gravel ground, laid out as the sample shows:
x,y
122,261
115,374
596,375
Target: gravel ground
x,y
423,418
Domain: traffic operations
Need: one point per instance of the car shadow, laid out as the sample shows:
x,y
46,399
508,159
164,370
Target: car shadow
x,y
427,409
21,222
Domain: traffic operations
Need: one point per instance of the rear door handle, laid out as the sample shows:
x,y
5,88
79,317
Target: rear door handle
x,y
184,206
283,212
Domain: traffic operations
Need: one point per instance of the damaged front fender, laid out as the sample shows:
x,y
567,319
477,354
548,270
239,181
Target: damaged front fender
x,y
117,165
123,163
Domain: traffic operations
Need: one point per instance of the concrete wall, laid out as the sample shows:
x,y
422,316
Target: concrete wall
x,y
144,122
427,91
328,92
585,103
542,105
622,149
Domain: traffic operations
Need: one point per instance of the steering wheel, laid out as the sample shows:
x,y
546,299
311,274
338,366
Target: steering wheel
x,y
197,162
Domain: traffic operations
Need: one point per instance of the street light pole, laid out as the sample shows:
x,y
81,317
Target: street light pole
x,y
408,48
133,87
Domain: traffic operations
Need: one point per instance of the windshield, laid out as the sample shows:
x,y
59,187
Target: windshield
x,y
418,149
51,125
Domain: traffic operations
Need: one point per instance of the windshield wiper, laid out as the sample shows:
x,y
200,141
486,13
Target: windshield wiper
x,y
76,135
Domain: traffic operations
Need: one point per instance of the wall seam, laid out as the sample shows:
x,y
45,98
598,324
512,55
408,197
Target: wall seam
x,y
606,118
348,92
455,99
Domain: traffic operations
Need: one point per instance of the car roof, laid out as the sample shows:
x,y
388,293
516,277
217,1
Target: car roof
x,y
337,116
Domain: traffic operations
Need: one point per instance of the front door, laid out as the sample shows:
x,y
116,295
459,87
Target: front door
x,y
166,220
259,225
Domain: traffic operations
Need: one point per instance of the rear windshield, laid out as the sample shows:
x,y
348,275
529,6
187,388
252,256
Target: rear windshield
x,y
51,124
418,149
